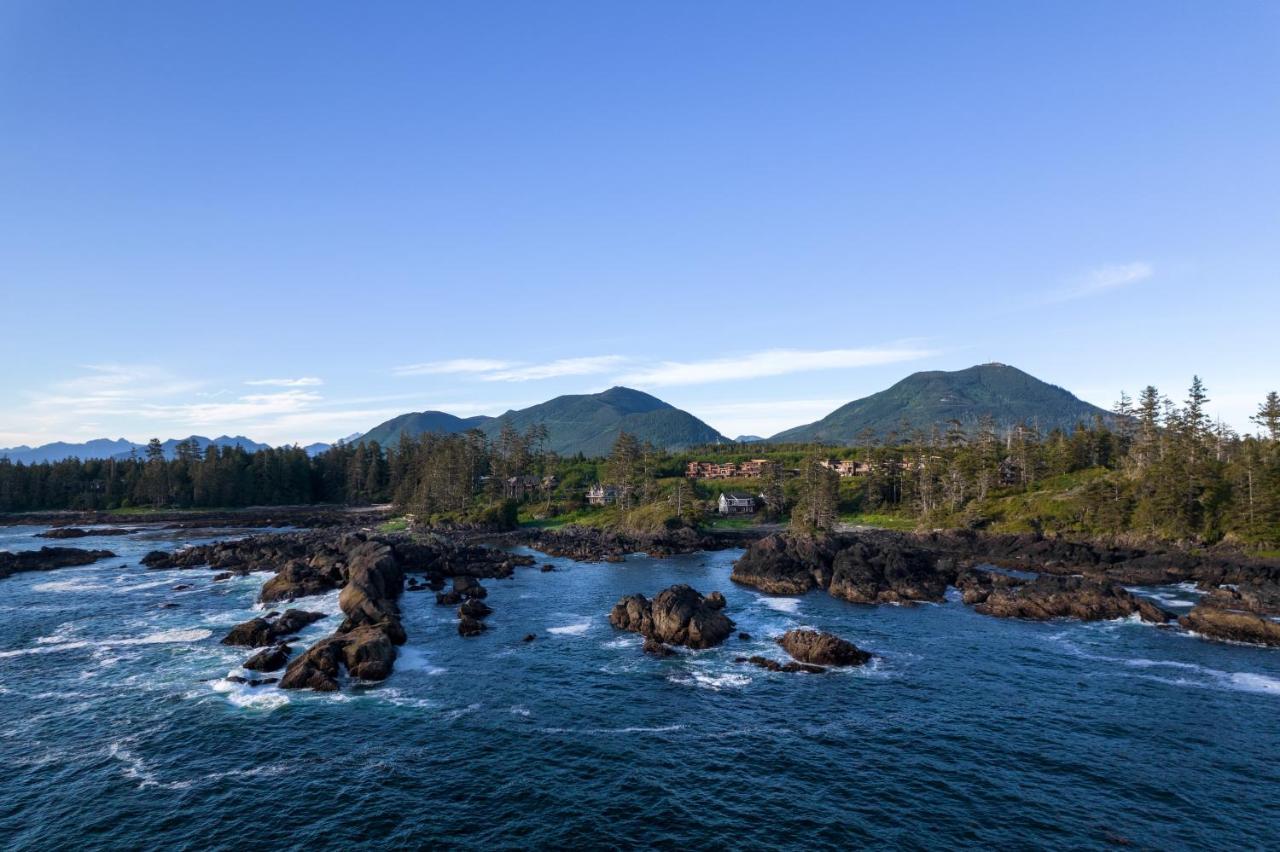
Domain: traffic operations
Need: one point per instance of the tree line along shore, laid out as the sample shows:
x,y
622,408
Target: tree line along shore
x,y
1155,470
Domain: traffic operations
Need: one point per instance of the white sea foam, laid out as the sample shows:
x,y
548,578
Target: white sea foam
x,y
165,637
520,710
628,641
1250,682
79,585
576,629
461,711
415,660
787,605
714,682
259,698
48,648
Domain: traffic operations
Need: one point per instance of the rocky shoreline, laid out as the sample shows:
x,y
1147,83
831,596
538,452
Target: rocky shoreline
x,y
1076,580
371,570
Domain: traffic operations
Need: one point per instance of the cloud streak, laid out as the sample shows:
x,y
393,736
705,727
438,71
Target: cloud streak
x,y
452,366
770,362
303,382
1104,279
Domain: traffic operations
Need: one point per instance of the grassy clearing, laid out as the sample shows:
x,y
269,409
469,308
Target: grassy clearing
x,y
887,522
394,525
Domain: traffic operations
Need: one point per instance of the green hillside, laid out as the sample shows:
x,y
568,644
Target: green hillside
x,y
419,423
586,423
1005,393
590,423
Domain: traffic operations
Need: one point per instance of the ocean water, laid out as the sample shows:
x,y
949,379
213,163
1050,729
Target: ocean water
x,y
118,729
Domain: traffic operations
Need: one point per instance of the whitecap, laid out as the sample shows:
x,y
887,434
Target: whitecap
x,y
1250,682
259,699
415,660
787,605
576,629
714,682
461,711
81,585
164,637
520,710
628,641
44,649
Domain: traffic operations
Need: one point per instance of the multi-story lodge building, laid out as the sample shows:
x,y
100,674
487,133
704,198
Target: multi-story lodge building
x,y
726,470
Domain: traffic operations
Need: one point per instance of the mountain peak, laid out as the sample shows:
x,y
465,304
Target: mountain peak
x,y
933,398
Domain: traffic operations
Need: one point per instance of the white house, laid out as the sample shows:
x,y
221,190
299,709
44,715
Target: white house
x,y
736,503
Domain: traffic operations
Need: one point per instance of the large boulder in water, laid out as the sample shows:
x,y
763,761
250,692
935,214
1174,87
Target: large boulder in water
x,y
1231,625
316,668
821,649
268,659
295,580
257,632
1068,597
368,653
676,616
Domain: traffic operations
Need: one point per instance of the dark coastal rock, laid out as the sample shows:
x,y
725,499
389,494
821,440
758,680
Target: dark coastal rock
x,y
529,637
224,576
316,668
861,569
547,569
468,626
157,559
368,653
474,608
374,582
676,616
257,632
744,636
77,532
786,565
450,598
775,666
298,579
48,559
268,659
1068,597
591,544
657,649
468,587
1231,625
821,649
886,572
182,587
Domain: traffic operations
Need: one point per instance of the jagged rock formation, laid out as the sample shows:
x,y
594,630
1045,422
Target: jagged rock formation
x,y
821,649
676,616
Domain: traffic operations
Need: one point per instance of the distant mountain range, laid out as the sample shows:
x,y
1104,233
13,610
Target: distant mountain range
x,y
590,423
105,448
923,400
576,423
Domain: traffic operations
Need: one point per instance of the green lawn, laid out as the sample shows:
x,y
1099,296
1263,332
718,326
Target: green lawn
x,y
888,522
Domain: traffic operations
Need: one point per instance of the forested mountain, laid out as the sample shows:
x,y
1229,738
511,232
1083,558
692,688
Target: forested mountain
x,y
420,423
590,423
576,423
105,448
921,401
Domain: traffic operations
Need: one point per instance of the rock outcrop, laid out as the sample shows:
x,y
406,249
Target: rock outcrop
x,y
268,659
48,559
821,649
77,532
268,630
775,666
676,616
861,569
1231,625
1082,598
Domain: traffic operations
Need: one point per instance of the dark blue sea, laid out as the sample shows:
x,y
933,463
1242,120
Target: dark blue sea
x,y
118,729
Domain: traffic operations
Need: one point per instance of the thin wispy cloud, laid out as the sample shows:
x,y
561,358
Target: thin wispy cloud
x,y
454,365
770,362
588,366
303,382
1104,279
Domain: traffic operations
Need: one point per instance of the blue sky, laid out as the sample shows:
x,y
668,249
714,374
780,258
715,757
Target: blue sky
x,y
294,221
